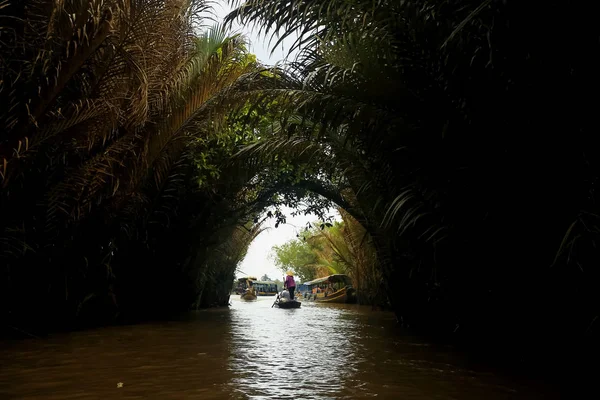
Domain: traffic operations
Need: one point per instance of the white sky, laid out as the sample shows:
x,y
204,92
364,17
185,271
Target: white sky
x,y
259,260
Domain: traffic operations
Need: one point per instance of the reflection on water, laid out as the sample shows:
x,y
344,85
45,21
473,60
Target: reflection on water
x,y
250,351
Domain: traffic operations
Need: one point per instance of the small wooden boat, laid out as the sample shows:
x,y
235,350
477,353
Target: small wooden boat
x,y
244,284
331,289
286,303
246,288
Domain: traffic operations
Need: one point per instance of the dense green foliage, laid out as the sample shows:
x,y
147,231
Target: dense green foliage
x,y
297,256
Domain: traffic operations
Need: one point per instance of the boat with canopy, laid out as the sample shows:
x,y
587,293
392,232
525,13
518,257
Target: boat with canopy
x,y
265,288
245,288
335,288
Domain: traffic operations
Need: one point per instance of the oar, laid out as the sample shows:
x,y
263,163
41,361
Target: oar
x,y
275,300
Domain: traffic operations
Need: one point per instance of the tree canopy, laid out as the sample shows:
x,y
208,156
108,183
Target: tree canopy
x,y
297,256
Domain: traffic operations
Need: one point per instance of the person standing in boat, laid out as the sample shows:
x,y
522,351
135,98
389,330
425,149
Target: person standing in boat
x,y
290,284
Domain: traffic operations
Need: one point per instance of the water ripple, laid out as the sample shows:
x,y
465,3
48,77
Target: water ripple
x,y
250,351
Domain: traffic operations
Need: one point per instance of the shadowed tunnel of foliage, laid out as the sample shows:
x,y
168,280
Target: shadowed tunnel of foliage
x,y
464,131
137,153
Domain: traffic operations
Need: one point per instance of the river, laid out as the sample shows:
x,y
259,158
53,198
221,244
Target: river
x,y
251,351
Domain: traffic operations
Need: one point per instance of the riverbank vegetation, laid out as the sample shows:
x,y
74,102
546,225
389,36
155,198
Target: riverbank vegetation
x,y
140,149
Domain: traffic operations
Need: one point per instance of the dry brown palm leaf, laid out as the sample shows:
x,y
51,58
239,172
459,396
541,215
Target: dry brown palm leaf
x,y
94,62
166,142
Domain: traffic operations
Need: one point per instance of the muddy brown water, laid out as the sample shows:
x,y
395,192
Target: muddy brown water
x,y
252,351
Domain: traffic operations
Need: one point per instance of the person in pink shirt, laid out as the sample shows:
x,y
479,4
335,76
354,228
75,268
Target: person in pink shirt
x,y
290,284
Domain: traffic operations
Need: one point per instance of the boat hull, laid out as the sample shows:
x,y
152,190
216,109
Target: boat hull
x,y
288,304
341,296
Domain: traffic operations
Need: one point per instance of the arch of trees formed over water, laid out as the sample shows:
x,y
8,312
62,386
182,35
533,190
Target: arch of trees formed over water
x,y
140,147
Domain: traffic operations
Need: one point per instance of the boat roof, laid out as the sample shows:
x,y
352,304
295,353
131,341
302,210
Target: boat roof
x,y
331,278
247,278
